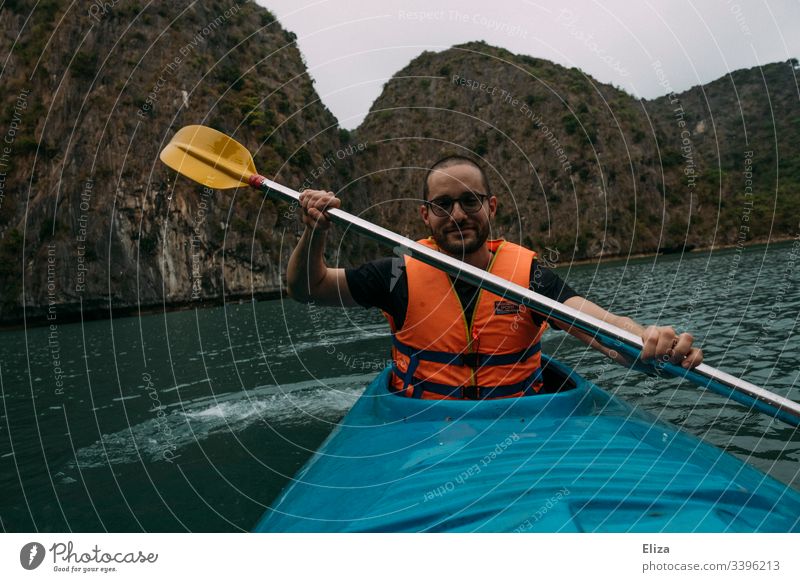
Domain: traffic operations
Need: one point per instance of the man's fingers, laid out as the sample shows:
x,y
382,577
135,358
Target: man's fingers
x,y
316,220
658,342
649,341
314,203
693,359
682,348
323,200
326,201
666,341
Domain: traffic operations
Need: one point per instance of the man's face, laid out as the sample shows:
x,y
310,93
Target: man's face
x,y
458,233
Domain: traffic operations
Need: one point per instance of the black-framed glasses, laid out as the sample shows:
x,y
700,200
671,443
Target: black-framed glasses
x,y
470,203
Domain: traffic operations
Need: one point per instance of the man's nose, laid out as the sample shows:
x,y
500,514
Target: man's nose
x,y
457,213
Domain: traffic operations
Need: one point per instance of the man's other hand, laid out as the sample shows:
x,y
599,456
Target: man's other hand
x,y
665,345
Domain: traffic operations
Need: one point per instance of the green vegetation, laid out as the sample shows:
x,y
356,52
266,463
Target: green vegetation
x,y
303,158
47,229
84,66
481,146
267,18
284,105
252,111
570,124
231,76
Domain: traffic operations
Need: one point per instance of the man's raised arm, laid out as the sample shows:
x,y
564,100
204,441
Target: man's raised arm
x,y
308,278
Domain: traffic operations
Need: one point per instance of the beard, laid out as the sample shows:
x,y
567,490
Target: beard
x,y
463,239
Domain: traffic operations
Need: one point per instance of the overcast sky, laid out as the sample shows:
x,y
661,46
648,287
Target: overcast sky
x,y
353,46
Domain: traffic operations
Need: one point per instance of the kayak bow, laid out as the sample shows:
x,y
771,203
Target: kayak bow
x,y
575,459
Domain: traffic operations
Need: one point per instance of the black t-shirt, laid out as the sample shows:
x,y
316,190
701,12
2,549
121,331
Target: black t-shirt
x,y
384,284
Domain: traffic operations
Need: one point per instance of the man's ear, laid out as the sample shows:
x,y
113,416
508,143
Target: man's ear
x,y
492,206
423,212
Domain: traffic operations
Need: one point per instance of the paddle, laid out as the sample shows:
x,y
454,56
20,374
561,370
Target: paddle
x,y
215,160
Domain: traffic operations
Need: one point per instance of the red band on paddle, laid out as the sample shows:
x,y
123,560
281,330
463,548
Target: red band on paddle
x,y
256,180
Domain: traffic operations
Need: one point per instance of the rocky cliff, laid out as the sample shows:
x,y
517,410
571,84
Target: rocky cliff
x,y
583,167
91,220
92,92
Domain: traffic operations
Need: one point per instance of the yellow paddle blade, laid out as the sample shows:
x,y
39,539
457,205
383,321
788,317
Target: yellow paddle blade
x,y
209,157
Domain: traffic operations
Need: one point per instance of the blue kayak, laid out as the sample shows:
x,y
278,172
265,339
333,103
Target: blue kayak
x,y
574,459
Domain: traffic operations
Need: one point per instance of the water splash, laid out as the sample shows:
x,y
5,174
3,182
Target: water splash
x,y
188,422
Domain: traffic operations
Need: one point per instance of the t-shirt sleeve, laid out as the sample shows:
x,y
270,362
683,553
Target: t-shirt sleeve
x,y
370,284
545,282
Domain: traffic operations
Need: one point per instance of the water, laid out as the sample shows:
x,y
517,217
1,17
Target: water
x,y
195,420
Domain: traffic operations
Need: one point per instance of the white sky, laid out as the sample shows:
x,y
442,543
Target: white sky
x,y
352,47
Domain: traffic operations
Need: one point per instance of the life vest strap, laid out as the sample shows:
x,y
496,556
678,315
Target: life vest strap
x,y
527,387
472,360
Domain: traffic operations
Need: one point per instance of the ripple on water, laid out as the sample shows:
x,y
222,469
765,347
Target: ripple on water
x,y
189,422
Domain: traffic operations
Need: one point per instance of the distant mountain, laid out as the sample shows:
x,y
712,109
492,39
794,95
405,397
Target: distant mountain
x,y
90,218
583,167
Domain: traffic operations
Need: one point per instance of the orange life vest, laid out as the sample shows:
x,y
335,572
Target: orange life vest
x,y
438,354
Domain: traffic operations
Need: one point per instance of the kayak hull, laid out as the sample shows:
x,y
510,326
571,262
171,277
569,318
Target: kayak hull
x,y
575,460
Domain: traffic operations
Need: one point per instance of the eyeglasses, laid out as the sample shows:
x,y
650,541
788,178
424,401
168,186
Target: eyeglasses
x,y
470,203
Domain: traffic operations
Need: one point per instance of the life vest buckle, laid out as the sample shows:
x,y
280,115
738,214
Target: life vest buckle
x,y
470,393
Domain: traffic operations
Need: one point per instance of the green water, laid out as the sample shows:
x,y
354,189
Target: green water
x,y
195,420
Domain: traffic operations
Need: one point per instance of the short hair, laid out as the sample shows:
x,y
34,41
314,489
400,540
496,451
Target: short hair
x,y
453,160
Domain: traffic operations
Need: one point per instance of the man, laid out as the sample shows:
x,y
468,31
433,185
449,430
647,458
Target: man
x,y
451,340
